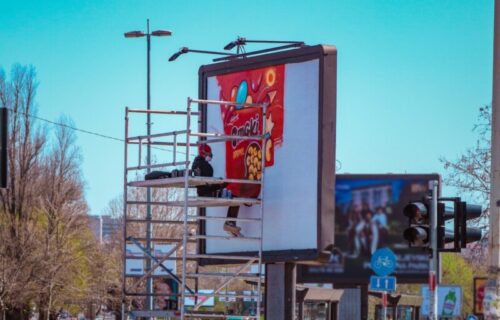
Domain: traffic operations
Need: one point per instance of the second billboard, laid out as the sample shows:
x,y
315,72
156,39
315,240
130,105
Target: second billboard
x,y
369,216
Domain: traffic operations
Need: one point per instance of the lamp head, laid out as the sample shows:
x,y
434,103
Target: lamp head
x,y
178,53
161,33
134,34
238,42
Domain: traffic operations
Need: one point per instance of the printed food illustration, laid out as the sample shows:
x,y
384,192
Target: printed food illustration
x,y
244,157
253,162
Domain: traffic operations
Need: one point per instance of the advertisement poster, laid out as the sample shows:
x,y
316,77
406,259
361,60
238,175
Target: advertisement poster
x,y
479,286
208,301
134,266
160,252
244,157
449,301
369,216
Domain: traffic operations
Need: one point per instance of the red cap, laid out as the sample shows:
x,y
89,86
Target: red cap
x,y
204,150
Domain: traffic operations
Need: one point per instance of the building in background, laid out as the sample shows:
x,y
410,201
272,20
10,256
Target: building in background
x,y
104,227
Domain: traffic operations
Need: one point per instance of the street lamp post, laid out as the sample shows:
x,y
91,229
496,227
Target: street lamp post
x,y
140,34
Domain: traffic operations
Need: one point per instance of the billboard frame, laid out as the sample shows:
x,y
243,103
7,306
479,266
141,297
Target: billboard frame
x,y
327,96
344,281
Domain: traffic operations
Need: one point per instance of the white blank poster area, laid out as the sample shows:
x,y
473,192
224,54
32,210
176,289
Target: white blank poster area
x,y
291,184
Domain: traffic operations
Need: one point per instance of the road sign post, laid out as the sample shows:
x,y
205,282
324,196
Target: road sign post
x,y
383,263
384,305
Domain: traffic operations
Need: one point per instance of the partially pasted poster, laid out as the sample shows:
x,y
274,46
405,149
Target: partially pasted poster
x,y
244,157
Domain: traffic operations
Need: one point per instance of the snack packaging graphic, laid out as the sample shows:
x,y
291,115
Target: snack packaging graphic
x,y
244,157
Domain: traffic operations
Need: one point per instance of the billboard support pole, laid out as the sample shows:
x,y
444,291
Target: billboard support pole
x,y
364,301
280,291
433,262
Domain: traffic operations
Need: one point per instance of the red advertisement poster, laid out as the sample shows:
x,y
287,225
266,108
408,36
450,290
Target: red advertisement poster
x,y
479,284
244,157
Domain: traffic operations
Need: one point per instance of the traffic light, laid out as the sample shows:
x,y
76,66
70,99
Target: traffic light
x,y
469,234
445,235
4,140
461,233
417,233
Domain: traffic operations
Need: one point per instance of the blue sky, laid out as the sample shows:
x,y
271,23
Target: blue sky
x,y
411,74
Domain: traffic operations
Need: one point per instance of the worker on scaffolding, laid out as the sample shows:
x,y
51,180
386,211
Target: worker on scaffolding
x,y
202,167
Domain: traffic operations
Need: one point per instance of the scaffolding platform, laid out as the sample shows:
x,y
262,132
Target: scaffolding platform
x,y
193,182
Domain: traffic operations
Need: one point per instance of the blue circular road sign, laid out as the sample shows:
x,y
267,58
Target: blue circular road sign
x,y
383,262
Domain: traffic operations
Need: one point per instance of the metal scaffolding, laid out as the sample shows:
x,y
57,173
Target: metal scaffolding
x,y
185,249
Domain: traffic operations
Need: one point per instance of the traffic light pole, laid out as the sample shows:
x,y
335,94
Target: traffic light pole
x,y
492,290
433,262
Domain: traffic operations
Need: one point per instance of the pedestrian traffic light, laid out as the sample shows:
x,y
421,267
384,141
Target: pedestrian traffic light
x,y
417,233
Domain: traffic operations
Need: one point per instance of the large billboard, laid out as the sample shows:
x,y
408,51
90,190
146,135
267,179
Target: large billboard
x,y
369,216
299,87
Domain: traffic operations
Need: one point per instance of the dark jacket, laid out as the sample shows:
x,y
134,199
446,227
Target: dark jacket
x,y
203,168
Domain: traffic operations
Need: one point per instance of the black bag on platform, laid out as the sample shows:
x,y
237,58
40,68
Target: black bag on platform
x,y
157,175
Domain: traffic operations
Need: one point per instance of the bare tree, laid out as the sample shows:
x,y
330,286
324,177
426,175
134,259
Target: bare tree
x,y
18,203
62,206
470,174
48,256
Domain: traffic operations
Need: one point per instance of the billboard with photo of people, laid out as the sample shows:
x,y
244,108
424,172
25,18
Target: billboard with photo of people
x,y
369,216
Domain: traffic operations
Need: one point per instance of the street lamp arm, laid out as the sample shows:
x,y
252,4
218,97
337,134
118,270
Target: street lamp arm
x,y
184,50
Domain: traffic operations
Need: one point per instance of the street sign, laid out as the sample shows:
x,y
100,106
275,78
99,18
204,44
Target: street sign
x,y
387,284
383,262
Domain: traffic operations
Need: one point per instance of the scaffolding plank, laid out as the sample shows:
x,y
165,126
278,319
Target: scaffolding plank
x,y
224,218
221,257
155,313
228,237
225,295
177,182
205,202
246,276
217,316
163,240
193,181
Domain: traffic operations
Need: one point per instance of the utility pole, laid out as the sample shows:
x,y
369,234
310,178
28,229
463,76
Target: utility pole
x,y
492,291
433,263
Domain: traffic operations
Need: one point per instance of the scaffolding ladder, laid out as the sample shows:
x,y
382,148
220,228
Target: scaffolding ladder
x,y
187,222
